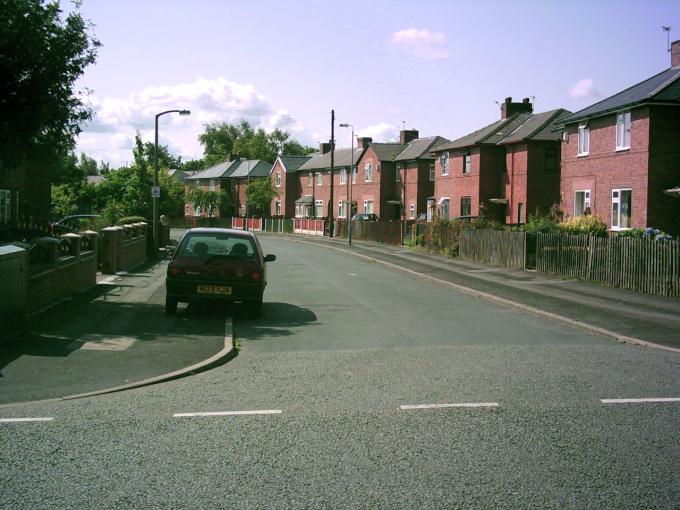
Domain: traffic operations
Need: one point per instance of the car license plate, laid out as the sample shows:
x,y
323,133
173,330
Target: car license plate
x,y
214,289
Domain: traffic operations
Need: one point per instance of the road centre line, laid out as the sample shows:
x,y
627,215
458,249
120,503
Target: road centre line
x,y
21,420
636,400
228,413
440,406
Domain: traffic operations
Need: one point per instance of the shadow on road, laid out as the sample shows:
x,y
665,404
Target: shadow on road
x,y
277,321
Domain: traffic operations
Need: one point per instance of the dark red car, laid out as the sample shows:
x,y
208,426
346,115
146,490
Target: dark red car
x,y
217,264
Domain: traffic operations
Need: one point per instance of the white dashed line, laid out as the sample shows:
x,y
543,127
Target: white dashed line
x,y
440,406
229,413
19,420
636,400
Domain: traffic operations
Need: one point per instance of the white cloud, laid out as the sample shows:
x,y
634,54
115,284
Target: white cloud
x,y
110,135
583,89
382,132
422,43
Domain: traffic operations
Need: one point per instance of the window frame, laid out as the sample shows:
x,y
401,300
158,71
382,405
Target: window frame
x,y
318,203
467,162
318,178
368,172
432,172
366,202
444,163
278,179
583,139
623,127
617,201
397,173
412,212
587,200
343,176
310,179
342,212
469,206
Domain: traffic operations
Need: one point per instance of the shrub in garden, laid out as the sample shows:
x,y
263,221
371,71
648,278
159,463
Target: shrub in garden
x,y
585,225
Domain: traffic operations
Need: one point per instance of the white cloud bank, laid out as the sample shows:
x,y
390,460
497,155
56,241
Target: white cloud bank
x,y
583,89
110,134
382,132
422,43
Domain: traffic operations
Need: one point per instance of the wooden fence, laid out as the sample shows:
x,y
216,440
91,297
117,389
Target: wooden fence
x,y
496,247
644,265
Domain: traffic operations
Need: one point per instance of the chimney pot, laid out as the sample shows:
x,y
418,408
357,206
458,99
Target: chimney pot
x,y
525,100
408,135
675,53
363,141
509,108
508,100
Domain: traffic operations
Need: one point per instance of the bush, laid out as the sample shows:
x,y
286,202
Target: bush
x,y
585,225
646,233
540,223
131,219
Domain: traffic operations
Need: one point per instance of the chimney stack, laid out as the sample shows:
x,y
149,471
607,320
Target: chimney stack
x,y
408,135
325,147
675,53
363,141
233,157
508,108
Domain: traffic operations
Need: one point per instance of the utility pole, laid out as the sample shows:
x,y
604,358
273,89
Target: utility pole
x,y
668,36
330,203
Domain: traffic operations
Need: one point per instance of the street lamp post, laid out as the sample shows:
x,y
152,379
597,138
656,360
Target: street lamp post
x,y
155,193
351,176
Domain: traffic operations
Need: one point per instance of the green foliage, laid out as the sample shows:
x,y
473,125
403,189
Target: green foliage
x,y
260,194
165,159
209,201
42,56
221,139
414,241
540,223
193,165
586,225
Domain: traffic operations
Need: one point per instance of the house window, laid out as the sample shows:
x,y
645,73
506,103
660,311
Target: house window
x,y
278,179
583,140
397,174
621,208
299,210
4,206
444,209
581,202
623,131
343,176
197,210
412,212
318,208
277,208
355,171
368,206
212,185
342,209
550,159
319,179
310,179
368,171
467,162
431,171
465,206
444,162
430,209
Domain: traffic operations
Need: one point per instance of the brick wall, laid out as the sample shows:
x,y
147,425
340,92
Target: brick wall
x,y
604,168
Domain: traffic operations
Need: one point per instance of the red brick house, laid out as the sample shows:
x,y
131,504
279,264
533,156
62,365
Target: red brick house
x,y
232,176
620,155
506,168
287,183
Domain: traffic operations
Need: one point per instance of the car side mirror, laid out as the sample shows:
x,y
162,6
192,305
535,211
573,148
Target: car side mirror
x,y
269,258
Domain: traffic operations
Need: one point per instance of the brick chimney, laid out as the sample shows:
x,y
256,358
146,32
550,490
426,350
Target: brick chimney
x,y
363,141
325,147
509,108
408,135
675,53
233,157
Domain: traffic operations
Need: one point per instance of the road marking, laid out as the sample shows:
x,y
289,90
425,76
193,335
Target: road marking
x,y
17,420
636,400
439,406
229,413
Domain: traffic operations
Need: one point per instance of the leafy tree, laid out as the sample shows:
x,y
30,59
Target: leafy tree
x,y
41,57
165,159
193,165
209,201
260,195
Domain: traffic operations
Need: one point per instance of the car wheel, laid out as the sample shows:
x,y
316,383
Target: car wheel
x,y
170,306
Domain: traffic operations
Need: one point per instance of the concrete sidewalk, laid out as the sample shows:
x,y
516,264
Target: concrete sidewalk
x,y
115,334
631,314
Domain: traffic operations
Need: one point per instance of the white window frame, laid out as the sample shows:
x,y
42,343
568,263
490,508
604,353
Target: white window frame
x,y
586,203
319,179
397,174
623,131
211,185
469,205
441,202
299,210
317,204
368,172
343,176
444,163
277,207
412,212
355,171
432,172
278,179
467,163
197,211
342,212
583,139
369,206
616,208
431,208
5,206
310,179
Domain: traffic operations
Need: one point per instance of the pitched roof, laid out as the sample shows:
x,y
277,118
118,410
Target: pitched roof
x,y
293,163
214,172
490,134
539,126
663,87
419,148
252,167
323,161
387,151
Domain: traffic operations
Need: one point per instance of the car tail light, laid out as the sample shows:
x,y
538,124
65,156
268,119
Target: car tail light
x,y
256,275
176,271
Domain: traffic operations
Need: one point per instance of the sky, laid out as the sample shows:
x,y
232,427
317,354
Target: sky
x,y
436,66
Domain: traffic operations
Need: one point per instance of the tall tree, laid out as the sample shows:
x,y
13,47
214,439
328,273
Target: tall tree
x,y
41,57
261,192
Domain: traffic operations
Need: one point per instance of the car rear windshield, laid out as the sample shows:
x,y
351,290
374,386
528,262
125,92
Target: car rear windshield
x,y
206,245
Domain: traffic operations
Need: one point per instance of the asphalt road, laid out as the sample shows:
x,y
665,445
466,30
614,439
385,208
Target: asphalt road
x,y
342,346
